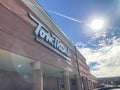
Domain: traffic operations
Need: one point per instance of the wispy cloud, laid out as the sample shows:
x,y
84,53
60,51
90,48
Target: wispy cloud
x,y
107,58
67,17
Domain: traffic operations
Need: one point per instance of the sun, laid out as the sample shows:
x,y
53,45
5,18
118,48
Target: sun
x,y
97,24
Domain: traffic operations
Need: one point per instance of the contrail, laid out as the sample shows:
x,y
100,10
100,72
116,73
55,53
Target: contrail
x,y
67,17
75,20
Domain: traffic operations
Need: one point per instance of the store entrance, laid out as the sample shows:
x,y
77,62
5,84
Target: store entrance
x,y
52,78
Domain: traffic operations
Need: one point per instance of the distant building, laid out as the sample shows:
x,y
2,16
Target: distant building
x,y
109,80
35,54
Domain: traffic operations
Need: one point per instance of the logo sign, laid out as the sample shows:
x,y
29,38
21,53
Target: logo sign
x,y
42,32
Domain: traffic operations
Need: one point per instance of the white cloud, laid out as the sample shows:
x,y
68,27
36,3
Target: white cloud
x,y
107,57
80,44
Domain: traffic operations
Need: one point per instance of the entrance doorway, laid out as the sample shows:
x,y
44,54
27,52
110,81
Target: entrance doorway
x,y
52,78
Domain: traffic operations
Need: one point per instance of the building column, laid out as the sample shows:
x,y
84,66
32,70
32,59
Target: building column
x,y
89,84
79,84
37,76
66,80
92,85
86,80
83,86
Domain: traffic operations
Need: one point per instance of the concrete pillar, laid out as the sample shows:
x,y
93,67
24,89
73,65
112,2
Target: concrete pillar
x,y
79,84
37,76
92,85
86,80
66,80
83,83
89,84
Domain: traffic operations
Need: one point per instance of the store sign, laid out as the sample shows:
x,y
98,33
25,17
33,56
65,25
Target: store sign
x,y
42,32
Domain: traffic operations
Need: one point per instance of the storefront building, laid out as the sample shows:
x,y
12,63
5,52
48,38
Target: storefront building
x,y
35,54
109,81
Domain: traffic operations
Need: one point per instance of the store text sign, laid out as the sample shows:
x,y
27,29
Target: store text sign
x,y
42,32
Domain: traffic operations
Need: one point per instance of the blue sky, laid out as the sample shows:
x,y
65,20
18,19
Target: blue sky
x,y
100,48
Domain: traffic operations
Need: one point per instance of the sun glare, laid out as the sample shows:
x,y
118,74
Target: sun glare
x,y
97,24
